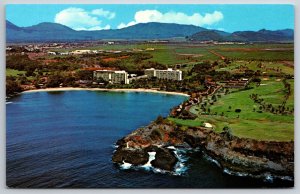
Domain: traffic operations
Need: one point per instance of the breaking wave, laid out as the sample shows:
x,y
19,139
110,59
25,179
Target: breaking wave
x,y
267,177
179,169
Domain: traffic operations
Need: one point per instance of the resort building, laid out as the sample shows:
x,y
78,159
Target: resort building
x,y
168,74
114,77
80,52
150,72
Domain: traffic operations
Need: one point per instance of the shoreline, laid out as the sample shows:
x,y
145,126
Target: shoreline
x,y
105,90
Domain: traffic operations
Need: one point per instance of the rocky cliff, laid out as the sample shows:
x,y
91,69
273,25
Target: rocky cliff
x,y
233,154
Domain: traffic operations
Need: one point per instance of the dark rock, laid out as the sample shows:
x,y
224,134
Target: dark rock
x,y
178,134
164,159
192,141
156,135
152,148
121,142
134,157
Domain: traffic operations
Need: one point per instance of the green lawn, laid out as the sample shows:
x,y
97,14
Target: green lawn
x,y
264,55
247,123
166,55
290,101
189,123
13,72
253,65
256,52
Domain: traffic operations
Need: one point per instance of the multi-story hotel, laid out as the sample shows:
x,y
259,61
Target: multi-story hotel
x,y
114,77
169,74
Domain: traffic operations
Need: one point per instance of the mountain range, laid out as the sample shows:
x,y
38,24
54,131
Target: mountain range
x,y
50,32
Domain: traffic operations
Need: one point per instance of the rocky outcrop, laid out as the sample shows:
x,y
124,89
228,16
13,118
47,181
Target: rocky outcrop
x,y
165,159
134,148
232,153
132,156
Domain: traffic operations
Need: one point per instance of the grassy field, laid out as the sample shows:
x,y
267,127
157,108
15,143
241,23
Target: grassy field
x,y
249,123
259,52
253,65
13,72
189,123
261,55
176,53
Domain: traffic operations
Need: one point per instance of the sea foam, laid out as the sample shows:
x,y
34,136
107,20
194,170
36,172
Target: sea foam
x,y
148,165
179,170
125,165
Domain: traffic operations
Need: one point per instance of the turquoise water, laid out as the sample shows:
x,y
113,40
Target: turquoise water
x,y
66,139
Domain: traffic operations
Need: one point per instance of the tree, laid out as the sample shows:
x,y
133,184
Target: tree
x,y
215,63
54,80
238,110
159,120
214,98
226,91
12,86
257,81
84,75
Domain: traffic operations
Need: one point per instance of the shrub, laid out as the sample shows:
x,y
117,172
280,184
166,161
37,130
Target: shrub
x,y
238,110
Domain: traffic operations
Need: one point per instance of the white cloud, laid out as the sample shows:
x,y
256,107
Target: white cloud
x,y
221,29
107,27
80,19
104,13
196,19
123,25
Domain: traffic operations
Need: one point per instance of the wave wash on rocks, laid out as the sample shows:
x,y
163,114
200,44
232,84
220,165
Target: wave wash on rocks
x,y
234,154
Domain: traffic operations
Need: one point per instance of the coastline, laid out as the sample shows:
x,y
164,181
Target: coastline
x,y
105,90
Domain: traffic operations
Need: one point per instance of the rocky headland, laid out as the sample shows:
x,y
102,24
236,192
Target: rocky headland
x,y
233,154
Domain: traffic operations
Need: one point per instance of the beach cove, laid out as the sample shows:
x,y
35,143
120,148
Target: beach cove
x,y
106,90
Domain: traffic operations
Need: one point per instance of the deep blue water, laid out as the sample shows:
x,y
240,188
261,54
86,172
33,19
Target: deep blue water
x,y
66,139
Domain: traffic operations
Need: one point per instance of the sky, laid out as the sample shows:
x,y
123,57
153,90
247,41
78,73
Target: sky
x,y
227,17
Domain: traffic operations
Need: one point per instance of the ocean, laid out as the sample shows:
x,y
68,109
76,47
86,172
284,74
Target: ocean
x,y
66,139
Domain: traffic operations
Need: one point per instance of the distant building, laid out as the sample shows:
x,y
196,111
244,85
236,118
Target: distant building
x,y
149,49
110,43
51,53
114,77
64,53
80,52
168,74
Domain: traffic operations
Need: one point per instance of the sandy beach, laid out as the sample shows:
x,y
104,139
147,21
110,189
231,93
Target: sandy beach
x,y
105,90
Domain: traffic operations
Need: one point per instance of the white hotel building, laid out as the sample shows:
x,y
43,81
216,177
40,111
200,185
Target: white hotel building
x,y
168,74
114,77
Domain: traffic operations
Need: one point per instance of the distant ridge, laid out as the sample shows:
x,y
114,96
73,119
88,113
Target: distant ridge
x,y
47,32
